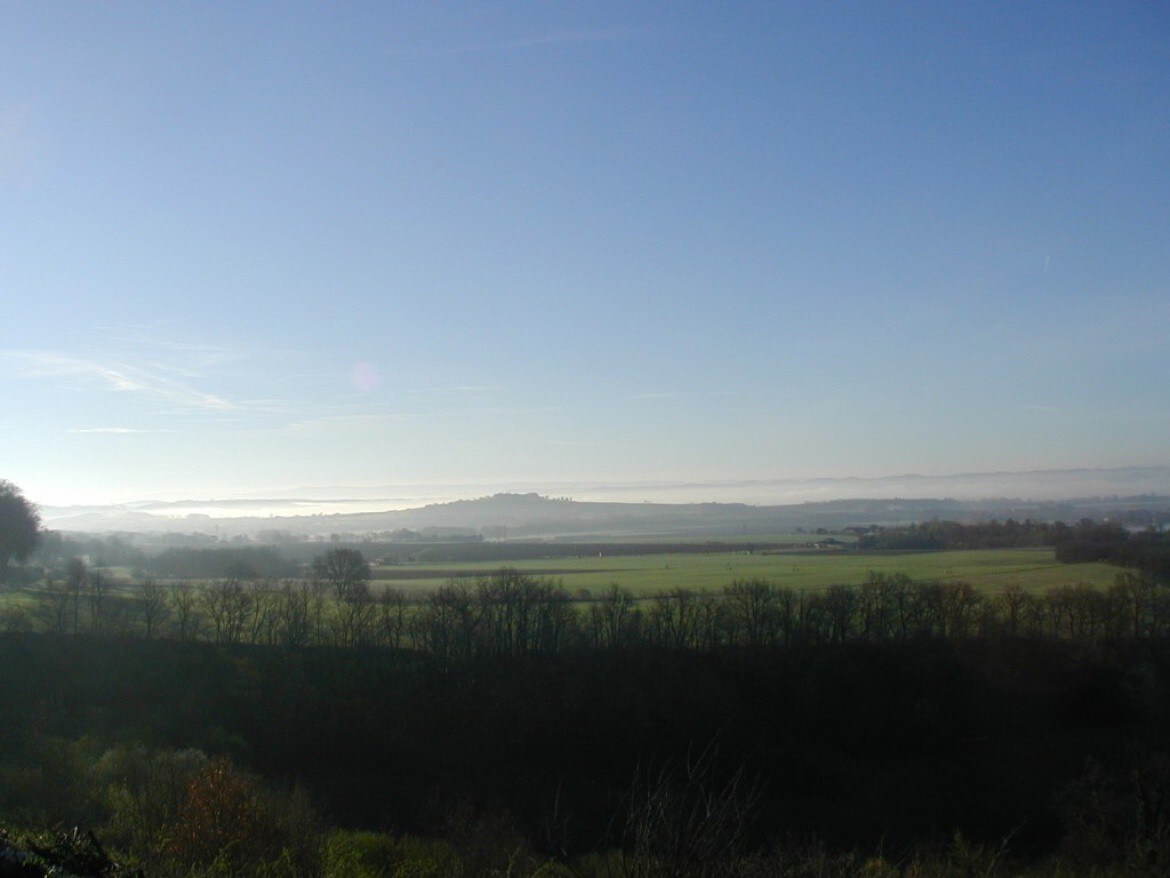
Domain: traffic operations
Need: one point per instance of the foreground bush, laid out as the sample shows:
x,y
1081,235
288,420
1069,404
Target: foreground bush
x,y
181,813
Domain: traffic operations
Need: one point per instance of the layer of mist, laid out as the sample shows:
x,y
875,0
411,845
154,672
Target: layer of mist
x,y
646,507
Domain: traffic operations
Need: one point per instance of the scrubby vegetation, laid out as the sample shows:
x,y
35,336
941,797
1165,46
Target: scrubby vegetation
x,y
941,753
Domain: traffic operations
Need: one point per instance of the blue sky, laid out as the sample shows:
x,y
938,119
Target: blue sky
x,y
254,246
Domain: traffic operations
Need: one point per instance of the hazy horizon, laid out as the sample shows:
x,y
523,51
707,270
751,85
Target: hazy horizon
x,y
601,244
1036,486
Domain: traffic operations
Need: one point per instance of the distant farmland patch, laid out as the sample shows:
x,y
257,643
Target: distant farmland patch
x,y
397,574
993,570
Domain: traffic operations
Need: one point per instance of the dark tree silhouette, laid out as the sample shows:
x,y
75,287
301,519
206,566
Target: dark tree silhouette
x,y
346,571
20,526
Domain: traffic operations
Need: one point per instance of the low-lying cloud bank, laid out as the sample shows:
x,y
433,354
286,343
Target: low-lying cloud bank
x,y
357,509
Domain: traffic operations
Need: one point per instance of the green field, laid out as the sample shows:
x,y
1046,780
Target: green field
x,y
989,569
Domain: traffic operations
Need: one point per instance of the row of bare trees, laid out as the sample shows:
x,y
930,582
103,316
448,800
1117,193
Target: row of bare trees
x,y
757,614
513,614
286,613
333,607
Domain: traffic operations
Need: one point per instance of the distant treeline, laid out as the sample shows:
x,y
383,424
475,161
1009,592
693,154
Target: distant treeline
x,y
945,535
1146,550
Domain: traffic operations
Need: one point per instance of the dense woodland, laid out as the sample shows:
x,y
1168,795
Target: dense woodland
x,y
251,724
198,758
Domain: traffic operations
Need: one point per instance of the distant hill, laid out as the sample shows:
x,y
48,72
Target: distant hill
x,y
530,515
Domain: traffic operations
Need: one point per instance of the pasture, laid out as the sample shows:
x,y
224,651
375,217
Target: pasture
x,y
992,570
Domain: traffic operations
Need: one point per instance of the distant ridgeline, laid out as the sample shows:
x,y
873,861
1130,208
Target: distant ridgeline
x,y
532,516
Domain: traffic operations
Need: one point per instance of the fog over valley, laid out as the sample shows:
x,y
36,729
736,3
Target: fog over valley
x,y
324,510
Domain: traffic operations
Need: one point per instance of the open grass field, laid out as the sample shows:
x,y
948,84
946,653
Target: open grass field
x,y
989,569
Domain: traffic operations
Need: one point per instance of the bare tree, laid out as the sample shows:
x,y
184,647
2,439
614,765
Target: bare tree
x,y
76,580
55,606
342,570
712,621
753,612
183,600
1012,600
265,620
98,592
447,625
354,615
1134,595
152,600
840,605
390,622
615,619
228,604
960,605
295,614
673,618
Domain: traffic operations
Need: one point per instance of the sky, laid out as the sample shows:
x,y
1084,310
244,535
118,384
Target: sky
x,y
253,247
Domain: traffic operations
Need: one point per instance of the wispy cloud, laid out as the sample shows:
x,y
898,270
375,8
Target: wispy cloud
x,y
166,353
116,376
116,431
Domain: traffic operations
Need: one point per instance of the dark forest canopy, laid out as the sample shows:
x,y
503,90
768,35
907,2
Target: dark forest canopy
x,y
894,748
